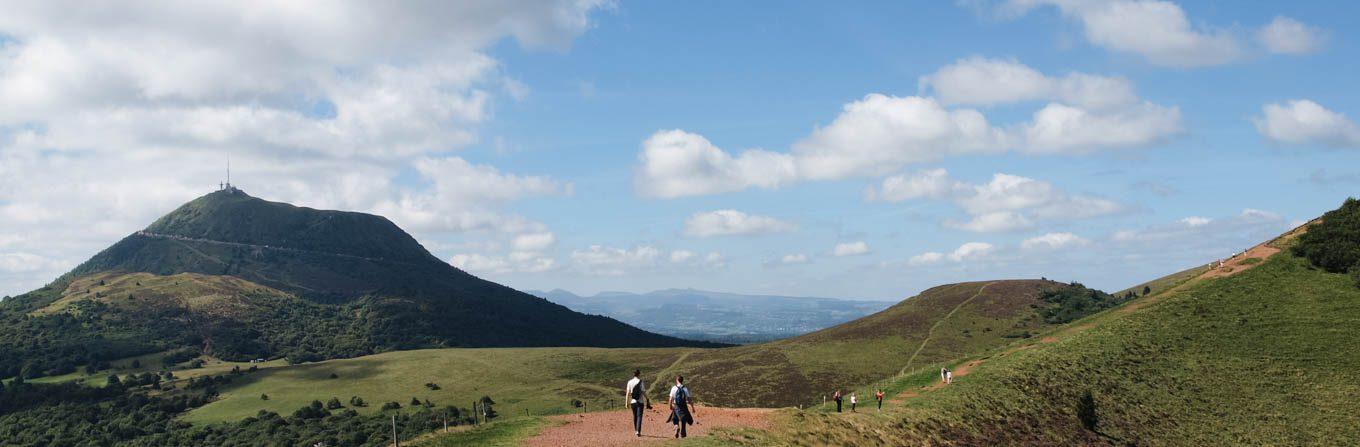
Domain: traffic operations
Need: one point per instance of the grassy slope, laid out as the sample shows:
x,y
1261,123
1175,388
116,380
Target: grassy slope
x,y
1267,356
789,372
800,370
540,380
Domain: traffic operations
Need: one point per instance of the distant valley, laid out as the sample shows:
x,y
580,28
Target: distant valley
x,y
715,316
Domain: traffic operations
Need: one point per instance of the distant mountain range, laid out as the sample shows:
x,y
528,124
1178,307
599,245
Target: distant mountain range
x,y
716,316
238,278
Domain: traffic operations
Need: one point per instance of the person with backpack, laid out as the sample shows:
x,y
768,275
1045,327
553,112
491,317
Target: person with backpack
x,y
837,397
682,407
879,395
636,394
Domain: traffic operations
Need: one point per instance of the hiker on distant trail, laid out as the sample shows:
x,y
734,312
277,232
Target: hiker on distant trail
x,y
837,397
636,394
682,407
948,377
853,401
879,395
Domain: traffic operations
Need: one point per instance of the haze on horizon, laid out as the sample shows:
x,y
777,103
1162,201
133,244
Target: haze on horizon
x,y
809,150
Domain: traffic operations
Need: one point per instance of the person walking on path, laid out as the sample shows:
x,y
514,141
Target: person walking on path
x,y
682,407
837,397
636,394
879,395
853,401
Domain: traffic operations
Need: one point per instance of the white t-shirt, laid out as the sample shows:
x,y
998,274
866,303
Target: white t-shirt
x,y
852,399
676,389
628,390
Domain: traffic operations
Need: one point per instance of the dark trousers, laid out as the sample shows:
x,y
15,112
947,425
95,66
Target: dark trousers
x,y
637,416
838,405
880,404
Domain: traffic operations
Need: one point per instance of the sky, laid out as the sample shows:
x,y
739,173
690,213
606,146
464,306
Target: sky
x,y
864,150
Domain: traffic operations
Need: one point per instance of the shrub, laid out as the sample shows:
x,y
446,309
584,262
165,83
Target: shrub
x,y
1333,244
391,406
334,404
264,397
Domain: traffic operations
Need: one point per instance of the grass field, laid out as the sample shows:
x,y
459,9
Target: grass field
x,y
539,381
1265,357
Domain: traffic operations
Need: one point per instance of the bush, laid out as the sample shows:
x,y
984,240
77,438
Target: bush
x,y
391,406
264,397
334,404
1333,244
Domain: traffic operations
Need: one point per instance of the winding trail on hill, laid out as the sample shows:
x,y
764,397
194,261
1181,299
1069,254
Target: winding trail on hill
x,y
615,428
931,332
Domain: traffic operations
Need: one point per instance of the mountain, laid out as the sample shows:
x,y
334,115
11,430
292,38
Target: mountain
x,y
237,277
717,316
937,325
1260,350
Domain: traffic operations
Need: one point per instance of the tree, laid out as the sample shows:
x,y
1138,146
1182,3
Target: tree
x,y
1147,290
334,404
357,401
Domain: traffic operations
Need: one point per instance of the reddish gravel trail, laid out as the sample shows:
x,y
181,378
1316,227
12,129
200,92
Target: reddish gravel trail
x,y
615,428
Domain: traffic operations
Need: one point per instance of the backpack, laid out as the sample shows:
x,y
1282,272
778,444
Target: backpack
x,y
681,395
637,392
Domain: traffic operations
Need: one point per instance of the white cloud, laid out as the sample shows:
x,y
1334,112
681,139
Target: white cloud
x,y
473,262
1053,241
1060,128
965,252
1159,31
715,260
880,133
321,107
1195,221
1006,203
927,258
732,222
676,163
984,81
1288,36
971,250
611,261
796,258
1302,121
680,256
534,242
851,249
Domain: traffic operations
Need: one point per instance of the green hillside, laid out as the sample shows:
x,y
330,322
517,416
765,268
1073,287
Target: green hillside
x,y
1264,356
238,278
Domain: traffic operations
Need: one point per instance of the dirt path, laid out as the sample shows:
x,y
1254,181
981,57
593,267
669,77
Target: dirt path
x,y
931,332
615,428
1238,264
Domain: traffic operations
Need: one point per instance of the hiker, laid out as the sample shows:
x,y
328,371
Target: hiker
x,y
948,377
879,395
837,397
682,407
636,394
853,400
944,377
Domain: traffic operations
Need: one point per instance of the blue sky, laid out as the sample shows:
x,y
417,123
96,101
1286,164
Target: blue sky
x,y
528,153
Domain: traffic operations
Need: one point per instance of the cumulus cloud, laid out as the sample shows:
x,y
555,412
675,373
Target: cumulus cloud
x,y
987,81
1195,221
850,249
880,133
796,258
680,256
1053,241
1006,203
611,261
965,252
321,109
1288,36
1200,240
1302,121
732,222
1158,31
